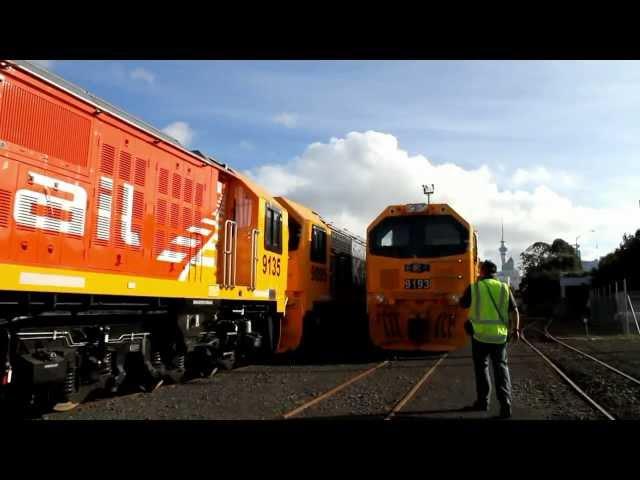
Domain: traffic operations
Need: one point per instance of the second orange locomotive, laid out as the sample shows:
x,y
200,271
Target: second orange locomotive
x,y
420,258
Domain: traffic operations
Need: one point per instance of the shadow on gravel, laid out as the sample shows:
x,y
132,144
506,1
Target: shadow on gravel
x,y
427,412
381,418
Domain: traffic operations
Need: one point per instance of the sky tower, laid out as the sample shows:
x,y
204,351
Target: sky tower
x,y
502,249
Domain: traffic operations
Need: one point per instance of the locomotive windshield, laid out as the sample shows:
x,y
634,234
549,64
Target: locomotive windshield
x,y
419,236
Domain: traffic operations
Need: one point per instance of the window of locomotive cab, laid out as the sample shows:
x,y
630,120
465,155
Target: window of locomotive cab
x,y
273,230
419,236
318,245
295,232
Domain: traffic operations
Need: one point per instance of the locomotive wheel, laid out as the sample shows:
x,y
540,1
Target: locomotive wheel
x,y
151,385
229,361
175,374
72,399
311,335
208,368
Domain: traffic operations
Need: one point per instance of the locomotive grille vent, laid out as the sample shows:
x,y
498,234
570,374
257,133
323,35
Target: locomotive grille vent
x,y
102,230
125,166
186,218
54,215
188,190
107,161
138,205
175,214
161,212
163,181
119,204
140,172
199,194
76,228
175,187
159,242
30,120
5,208
25,218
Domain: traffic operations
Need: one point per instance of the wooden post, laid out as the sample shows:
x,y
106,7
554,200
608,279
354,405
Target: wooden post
x,y
626,304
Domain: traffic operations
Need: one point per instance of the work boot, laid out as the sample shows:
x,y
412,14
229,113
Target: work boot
x,y
505,412
476,407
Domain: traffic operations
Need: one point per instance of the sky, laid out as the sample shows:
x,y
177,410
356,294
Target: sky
x,y
550,148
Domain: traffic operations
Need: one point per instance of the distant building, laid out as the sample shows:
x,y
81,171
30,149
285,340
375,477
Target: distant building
x,y
570,280
589,265
508,272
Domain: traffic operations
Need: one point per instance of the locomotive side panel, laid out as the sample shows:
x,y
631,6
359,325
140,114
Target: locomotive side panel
x,y
81,190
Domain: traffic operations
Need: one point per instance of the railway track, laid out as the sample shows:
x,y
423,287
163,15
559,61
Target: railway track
x,y
606,404
393,411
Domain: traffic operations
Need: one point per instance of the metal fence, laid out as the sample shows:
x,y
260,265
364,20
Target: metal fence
x,y
615,306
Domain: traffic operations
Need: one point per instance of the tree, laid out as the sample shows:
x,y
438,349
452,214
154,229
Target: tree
x,y
542,265
620,264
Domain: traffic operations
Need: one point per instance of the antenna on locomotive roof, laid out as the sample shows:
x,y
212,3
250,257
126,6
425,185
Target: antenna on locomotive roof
x,y
428,191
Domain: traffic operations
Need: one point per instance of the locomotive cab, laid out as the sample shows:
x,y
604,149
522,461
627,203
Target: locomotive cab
x,y
308,274
420,260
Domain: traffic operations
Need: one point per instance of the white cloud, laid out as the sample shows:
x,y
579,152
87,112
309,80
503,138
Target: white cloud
x,y
142,74
48,64
289,120
543,176
181,131
350,180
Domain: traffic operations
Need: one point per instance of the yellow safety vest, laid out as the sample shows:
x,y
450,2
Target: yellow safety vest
x,y
490,325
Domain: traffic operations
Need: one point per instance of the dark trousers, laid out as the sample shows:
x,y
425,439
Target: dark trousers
x,y
498,353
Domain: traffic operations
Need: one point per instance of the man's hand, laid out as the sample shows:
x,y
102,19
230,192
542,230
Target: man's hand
x,y
515,334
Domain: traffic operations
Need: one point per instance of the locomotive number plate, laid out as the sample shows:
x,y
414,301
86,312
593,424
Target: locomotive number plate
x,y
413,283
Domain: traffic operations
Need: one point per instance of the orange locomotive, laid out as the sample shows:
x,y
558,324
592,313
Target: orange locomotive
x,y
124,256
325,284
420,259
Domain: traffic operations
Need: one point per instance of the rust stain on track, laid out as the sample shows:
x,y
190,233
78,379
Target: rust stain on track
x,y
398,406
334,390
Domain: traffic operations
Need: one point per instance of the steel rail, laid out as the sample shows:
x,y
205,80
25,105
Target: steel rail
x,y
411,393
591,357
334,390
581,392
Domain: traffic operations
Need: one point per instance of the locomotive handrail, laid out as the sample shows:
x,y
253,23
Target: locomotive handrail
x,y
254,257
235,251
230,248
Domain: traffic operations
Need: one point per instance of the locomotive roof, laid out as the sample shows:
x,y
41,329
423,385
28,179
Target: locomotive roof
x,y
105,106
301,210
308,213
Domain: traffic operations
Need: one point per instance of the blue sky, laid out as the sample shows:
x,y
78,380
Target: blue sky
x,y
570,127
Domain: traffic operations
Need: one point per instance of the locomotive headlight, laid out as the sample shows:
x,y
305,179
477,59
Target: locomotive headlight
x,y
453,299
379,298
416,207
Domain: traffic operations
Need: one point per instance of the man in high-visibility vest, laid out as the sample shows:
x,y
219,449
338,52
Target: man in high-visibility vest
x,y
493,313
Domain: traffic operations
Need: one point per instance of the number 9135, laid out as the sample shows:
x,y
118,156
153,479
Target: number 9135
x,y
271,265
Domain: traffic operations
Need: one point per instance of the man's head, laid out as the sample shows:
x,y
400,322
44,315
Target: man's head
x,y
488,268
